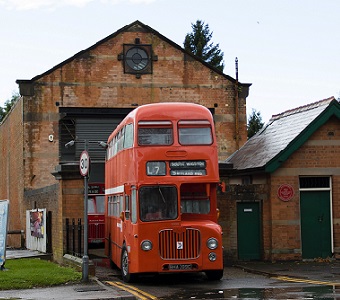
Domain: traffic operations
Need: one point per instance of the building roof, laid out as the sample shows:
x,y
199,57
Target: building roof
x,y
283,135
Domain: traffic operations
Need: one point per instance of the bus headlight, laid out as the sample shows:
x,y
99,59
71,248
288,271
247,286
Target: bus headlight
x,y
212,243
146,245
212,256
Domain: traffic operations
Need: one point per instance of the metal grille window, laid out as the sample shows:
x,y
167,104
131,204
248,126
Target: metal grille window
x,y
314,182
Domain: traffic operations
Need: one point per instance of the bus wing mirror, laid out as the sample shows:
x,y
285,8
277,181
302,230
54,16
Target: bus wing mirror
x,y
221,187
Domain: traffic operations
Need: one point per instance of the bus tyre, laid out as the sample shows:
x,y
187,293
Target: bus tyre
x,y
214,274
127,276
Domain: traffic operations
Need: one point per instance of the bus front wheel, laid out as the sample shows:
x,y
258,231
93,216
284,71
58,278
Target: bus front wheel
x,y
214,274
127,276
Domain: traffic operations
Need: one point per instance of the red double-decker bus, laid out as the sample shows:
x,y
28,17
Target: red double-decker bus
x,y
161,177
96,213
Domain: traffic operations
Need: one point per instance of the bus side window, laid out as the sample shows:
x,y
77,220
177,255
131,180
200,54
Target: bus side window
x,y
133,209
109,206
115,206
128,139
100,209
121,139
127,207
121,204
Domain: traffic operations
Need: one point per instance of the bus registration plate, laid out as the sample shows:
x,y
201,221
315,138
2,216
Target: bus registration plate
x,y
180,267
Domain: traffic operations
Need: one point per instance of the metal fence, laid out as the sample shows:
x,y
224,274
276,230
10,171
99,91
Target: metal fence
x,y
74,237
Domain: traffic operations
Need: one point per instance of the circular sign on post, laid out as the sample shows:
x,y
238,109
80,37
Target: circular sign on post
x,y
285,192
84,163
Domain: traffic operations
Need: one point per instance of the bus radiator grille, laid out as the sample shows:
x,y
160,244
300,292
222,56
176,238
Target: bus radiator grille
x,y
179,245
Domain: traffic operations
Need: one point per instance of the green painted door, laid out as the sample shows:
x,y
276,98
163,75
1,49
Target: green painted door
x,y
315,224
248,230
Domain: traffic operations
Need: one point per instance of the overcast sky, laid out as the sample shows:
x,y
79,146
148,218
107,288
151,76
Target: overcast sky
x,y
288,49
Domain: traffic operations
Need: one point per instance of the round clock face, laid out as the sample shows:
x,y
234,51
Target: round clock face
x,y
137,58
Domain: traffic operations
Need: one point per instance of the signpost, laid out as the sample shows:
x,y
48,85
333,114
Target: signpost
x,y
84,163
84,166
3,231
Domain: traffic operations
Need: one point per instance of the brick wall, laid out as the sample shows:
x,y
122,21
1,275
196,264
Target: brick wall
x,y
319,156
11,170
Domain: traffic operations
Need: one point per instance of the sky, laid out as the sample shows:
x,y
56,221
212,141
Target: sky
x,y
288,50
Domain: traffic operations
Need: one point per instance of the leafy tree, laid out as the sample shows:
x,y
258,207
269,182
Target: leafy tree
x,y
254,123
8,105
198,42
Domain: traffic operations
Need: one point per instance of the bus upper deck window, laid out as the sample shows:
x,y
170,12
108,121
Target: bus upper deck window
x,y
155,133
194,132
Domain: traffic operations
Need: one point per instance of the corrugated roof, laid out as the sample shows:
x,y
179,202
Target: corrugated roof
x,y
276,136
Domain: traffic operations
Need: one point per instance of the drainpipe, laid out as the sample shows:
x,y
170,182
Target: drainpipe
x,y
237,126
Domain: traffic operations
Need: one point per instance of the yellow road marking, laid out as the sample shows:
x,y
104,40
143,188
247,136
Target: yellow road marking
x,y
300,280
133,290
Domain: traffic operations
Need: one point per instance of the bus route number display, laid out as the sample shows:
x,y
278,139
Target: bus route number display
x,y
84,163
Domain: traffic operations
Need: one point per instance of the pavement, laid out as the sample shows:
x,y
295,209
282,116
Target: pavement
x,y
314,272
93,289
318,271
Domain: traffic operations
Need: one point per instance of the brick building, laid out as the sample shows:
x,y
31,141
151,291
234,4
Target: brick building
x,y
84,98
283,198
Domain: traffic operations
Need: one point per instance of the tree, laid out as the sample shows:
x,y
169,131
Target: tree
x,y
198,43
8,105
254,123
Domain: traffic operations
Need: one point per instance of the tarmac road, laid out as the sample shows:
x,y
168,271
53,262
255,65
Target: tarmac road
x,y
307,273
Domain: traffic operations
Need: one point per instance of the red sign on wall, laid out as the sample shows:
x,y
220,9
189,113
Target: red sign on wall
x,y
285,192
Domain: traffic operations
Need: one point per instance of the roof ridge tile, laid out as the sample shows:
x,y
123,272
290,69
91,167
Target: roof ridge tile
x,y
301,109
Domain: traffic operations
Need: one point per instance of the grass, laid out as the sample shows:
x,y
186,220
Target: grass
x,y
28,273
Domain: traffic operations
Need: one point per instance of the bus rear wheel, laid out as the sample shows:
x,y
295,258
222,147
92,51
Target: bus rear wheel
x,y
127,276
214,274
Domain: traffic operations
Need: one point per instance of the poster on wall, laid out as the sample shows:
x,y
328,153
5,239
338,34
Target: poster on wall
x,y
3,230
37,223
36,234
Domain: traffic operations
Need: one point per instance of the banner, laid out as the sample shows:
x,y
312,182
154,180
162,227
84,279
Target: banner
x,y
3,230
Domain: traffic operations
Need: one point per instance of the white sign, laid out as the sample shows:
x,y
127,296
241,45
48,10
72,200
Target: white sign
x,y
3,229
84,163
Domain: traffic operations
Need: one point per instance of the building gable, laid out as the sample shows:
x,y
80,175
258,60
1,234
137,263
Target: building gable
x,y
332,110
26,88
283,135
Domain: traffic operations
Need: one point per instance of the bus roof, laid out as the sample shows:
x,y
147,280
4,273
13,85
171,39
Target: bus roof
x,y
166,111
